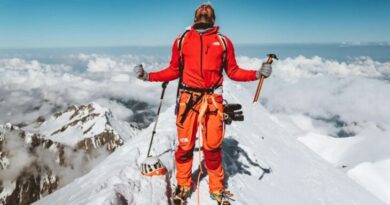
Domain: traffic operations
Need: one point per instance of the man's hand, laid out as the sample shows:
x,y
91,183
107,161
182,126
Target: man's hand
x,y
265,70
140,73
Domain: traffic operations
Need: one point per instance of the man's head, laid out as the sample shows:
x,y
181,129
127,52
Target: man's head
x,y
204,15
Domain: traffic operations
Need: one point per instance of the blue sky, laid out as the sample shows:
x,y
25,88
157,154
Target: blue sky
x,y
68,23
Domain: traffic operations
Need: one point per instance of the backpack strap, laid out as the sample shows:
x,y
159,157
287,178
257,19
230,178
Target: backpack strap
x,y
180,48
181,67
224,55
224,58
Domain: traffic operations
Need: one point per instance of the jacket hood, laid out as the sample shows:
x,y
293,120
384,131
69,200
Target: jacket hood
x,y
213,30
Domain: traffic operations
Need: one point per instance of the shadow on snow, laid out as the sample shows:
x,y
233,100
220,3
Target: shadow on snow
x,y
235,161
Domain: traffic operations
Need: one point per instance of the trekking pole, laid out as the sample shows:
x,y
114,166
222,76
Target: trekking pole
x,y
271,56
164,85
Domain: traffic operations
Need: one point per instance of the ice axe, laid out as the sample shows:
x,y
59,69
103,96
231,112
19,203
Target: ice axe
x,y
152,166
270,59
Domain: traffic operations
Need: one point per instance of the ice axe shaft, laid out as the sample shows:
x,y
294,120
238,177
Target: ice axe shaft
x,y
269,61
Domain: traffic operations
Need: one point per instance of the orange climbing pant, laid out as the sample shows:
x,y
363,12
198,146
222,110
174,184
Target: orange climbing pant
x,y
208,112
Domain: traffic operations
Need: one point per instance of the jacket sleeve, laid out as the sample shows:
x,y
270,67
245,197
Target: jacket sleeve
x,y
172,71
233,70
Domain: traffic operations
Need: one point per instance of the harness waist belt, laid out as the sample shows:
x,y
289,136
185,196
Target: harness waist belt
x,y
199,90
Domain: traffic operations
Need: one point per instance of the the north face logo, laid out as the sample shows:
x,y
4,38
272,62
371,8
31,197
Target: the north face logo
x,y
183,139
216,43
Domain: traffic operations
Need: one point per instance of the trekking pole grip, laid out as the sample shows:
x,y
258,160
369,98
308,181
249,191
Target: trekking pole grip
x,y
163,85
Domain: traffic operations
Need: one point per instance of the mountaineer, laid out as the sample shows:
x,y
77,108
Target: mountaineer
x,y
199,57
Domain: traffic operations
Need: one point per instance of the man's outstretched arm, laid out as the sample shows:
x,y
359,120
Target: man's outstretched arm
x,y
233,70
172,71
239,74
167,74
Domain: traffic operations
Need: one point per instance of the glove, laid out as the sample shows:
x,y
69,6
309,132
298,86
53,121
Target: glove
x,y
140,73
265,70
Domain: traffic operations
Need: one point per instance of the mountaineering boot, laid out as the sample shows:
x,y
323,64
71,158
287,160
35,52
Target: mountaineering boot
x,y
223,197
180,195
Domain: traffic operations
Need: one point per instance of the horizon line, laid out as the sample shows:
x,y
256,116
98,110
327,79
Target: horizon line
x,y
351,43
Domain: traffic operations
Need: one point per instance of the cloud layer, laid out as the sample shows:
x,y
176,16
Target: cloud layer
x,y
29,88
340,97
320,97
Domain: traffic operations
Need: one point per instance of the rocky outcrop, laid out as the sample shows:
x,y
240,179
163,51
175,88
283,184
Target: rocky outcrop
x,y
29,179
41,157
107,139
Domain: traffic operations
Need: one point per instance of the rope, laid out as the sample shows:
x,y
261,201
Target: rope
x,y
202,111
200,163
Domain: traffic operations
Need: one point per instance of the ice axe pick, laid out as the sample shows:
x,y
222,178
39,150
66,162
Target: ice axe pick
x,y
270,59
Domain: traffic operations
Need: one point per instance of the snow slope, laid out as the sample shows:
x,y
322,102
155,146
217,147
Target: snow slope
x,y
364,157
298,175
374,176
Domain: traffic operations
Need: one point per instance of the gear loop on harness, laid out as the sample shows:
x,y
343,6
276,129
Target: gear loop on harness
x,y
204,107
200,95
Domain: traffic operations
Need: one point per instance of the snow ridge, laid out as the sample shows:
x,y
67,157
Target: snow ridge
x,y
264,165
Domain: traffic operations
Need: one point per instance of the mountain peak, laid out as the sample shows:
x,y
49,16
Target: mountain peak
x,y
74,124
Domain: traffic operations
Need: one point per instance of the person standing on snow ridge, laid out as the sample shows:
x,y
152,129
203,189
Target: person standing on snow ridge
x,y
199,61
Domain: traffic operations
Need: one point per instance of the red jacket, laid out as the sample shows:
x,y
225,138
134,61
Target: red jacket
x,y
202,55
